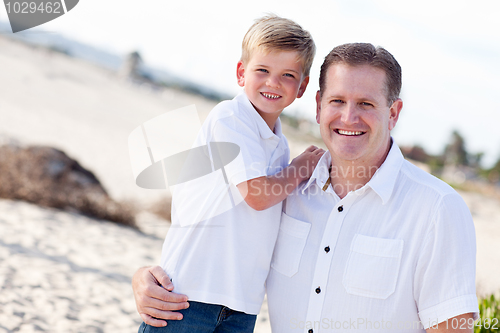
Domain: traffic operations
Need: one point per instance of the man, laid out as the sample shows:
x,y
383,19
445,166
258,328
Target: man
x,y
370,242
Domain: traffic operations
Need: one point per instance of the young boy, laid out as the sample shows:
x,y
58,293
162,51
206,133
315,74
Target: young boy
x,y
217,256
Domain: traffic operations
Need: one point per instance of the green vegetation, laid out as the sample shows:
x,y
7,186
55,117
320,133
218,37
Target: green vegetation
x,y
489,309
455,157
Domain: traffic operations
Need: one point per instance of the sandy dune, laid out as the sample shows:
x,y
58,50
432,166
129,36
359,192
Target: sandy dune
x,y
62,272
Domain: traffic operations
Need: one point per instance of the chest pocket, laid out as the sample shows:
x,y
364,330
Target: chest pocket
x,y
372,266
290,245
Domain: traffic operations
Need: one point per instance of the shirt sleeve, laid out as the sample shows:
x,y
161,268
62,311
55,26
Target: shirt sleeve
x,y
251,161
444,284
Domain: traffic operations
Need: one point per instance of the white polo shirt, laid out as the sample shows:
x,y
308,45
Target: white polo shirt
x,y
395,255
225,258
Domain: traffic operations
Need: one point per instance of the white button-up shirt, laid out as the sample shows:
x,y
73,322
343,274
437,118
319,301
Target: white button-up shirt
x,y
397,254
217,250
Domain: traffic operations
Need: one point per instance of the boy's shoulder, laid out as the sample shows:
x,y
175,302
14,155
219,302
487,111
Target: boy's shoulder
x,y
237,108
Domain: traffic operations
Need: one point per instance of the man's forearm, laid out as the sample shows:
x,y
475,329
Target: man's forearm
x,y
463,324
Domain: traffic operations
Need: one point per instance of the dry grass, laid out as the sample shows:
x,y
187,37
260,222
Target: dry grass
x,y
162,208
48,177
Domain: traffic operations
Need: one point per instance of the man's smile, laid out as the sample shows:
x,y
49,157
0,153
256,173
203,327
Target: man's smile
x,y
348,133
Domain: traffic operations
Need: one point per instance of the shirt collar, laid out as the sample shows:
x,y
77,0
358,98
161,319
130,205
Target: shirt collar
x,y
384,179
264,130
321,173
382,182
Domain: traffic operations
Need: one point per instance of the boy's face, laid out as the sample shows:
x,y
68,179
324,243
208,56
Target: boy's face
x,y
272,80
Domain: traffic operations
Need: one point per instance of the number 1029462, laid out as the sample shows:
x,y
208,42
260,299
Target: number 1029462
x,y
33,7
464,323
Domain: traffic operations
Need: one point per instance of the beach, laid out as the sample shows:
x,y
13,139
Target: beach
x,y
64,272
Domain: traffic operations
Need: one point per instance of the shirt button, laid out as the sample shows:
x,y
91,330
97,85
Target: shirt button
x,y
327,249
340,209
318,290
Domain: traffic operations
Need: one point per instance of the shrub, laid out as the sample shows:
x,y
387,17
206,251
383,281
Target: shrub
x,y
48,177
489,309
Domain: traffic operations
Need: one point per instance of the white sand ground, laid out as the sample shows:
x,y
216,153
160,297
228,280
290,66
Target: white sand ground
x,y
61,272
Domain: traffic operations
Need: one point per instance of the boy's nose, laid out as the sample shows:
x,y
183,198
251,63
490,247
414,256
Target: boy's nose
x,y
273,82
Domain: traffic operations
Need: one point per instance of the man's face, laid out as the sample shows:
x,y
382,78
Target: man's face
x,y
354,116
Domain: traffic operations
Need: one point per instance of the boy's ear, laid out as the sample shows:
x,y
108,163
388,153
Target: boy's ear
x,y
303,87
240,73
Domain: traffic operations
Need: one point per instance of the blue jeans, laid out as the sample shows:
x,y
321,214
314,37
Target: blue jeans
x,y
206,318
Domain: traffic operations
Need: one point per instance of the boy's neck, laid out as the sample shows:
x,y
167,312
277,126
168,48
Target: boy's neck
x,y
270,118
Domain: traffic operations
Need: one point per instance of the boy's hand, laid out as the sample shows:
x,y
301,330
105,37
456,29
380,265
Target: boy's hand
x,y
153,297
305,163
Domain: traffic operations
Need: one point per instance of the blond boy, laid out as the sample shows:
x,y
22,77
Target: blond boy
x,y
221,263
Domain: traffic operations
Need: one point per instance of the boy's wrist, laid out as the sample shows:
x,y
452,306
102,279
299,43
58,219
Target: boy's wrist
x,y
297,172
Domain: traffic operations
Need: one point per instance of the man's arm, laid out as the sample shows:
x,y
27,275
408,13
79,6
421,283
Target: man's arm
x,y
154,297
444,279
463,323
264,192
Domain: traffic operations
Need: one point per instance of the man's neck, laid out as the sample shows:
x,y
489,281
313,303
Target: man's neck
x,y
348,176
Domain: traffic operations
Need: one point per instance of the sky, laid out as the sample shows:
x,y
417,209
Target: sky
x,y
449,51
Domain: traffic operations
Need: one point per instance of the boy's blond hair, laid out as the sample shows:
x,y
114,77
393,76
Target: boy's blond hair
x,y
272,32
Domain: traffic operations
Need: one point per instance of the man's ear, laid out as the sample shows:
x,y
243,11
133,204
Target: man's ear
x,y
318,105
303,87
394,113
240,73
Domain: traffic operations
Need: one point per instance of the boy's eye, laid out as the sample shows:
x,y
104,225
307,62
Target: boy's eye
x,y
290,75
262,70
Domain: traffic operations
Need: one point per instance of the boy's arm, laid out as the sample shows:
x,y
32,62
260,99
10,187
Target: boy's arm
x,y
264,192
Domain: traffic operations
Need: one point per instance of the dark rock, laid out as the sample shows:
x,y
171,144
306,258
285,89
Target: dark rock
x,y
48,177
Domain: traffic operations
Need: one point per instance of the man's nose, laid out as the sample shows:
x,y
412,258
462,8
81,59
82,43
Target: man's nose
x,y
350,114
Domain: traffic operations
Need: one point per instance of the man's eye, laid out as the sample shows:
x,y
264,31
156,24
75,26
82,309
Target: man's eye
x,y
336,101
366,104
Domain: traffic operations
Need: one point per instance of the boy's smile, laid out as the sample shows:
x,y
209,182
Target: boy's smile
x,y
271,96
272,81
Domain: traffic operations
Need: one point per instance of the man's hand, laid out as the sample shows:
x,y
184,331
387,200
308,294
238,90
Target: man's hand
x,y
154,297
463,323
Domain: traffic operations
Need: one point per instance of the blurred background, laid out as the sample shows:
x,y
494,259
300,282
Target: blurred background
x,y
448,50
73,89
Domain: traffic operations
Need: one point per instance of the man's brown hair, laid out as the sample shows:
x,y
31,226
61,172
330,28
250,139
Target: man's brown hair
x,y
356,54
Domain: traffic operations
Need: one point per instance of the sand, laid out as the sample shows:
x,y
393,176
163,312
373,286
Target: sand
x,y
62,272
